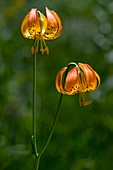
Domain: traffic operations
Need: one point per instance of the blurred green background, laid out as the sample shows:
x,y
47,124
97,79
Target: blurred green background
x,y
83,137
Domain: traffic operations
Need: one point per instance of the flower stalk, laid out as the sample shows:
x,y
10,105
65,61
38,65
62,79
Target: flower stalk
x,y
53,126
40,28
34,137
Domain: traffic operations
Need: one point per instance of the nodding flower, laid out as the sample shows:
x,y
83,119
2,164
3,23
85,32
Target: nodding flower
x,y
79,79
39,27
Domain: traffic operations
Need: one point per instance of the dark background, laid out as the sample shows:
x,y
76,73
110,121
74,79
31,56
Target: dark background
x,y
83,137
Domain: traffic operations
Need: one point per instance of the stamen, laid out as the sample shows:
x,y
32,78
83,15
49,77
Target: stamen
x,y
43,46
84,99
82,81
46,47
34,48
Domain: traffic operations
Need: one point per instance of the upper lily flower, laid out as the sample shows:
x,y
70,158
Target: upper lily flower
x,y
80,79
40,28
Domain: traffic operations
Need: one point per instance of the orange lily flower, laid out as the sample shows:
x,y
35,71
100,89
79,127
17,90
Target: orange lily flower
x,y
80,79
40,28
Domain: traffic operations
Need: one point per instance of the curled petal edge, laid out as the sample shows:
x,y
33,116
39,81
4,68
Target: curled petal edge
x,y
59,80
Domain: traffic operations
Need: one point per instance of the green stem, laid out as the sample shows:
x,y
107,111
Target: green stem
x,y
38,156
37,163
57,111
53,126
34,102
34,141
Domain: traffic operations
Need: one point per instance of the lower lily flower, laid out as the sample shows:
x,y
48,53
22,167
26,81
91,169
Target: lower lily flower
x,y
40,28
80,79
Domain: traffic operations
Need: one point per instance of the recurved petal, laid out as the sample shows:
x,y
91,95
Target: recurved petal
x,y
59,80
98,79
59,31
72,85
91,78
54,25
30,26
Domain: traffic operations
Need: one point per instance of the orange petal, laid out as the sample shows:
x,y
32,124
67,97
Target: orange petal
x,y
34,24
59,24
98,79
31,25
72,82
92,79
59,80
54,26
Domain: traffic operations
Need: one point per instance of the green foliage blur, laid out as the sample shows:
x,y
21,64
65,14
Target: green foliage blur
x,y
83,136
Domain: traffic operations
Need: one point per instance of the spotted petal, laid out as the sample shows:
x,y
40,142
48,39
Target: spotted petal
x,y
31,25
92,78
72,82
34,24
54,25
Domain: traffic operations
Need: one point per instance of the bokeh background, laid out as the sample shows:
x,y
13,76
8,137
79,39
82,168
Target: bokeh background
x,y
83,137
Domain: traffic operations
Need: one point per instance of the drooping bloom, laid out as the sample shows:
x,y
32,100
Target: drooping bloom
x,y
80,79
40,28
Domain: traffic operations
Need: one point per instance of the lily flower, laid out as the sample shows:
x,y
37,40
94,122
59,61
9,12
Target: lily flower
x,y
80,79
40,28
